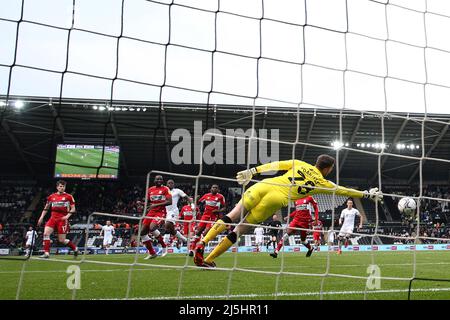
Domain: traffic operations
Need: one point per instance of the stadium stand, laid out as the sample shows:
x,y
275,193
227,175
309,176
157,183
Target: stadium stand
x,y
326,202
14,201
369,208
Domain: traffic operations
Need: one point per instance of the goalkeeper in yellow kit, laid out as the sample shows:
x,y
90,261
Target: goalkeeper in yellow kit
x,y
264,198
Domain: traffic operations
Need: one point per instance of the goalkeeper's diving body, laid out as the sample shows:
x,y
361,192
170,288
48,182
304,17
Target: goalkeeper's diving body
x,y
263,199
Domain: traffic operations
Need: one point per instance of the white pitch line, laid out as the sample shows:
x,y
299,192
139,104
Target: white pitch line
x,y
245,268
82,270
283,294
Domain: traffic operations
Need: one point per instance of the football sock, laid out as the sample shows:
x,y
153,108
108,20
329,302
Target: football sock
x,y
194,242
181,237
70,244
223,246
46,244
161,241
217,229
148,244
280,244
159,237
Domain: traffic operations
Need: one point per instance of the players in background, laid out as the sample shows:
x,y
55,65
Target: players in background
x,y
331,236
62,207
189,213
274,233
172,240
159,197
167,237
108,232
347,220
266,197
172,211
30,240
175,241
214,205
259,235
317,234
301,219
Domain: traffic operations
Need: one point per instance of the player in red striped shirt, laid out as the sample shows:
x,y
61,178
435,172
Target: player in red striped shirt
x,y
317,234
62,207
159,197
214,205
188,213
301,219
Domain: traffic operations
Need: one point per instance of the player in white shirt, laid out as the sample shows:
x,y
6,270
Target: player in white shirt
x,y
347,220
30,240
259,235
108,232
173,213
331,236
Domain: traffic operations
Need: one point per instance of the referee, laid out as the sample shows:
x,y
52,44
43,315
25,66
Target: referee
x,y
274,234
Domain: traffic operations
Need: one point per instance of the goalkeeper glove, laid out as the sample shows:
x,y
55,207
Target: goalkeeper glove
x,y
244,177
373,194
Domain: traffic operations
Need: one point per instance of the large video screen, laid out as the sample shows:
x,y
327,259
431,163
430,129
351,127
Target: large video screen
x,y
82,161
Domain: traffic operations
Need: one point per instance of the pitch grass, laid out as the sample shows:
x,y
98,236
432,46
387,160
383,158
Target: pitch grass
x,y
155,279
93,159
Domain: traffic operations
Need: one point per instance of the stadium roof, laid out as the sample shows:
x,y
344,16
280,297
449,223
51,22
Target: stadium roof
x,y
29,135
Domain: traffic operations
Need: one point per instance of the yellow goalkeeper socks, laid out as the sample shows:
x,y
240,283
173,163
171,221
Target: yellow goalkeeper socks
x,y
223,246
217,229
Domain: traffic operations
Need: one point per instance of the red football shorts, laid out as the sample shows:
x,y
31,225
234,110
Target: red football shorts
x,y
61,226
208,221
156,218
188,227
300,224
316,236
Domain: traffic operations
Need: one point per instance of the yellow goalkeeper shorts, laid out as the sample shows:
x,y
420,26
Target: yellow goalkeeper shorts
x,y
262,200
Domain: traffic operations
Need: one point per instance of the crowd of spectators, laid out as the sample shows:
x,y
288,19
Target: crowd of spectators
x,y
11,237
14,201
407,234
434,216
114,198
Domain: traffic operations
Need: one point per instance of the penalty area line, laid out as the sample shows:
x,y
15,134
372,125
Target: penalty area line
x,y
282,294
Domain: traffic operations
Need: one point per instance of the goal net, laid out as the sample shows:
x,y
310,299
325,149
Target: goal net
x,y
196,91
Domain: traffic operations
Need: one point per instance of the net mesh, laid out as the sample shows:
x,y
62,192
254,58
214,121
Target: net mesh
x,y
308,66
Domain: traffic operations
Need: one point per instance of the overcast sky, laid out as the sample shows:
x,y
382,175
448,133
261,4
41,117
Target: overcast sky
x,y
390,58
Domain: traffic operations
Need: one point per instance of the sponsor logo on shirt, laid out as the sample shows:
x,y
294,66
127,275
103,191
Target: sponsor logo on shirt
x,y
302,207
212,203
60,204
157,197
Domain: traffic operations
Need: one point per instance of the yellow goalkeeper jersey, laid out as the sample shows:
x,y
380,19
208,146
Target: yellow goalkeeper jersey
x,y
302,179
